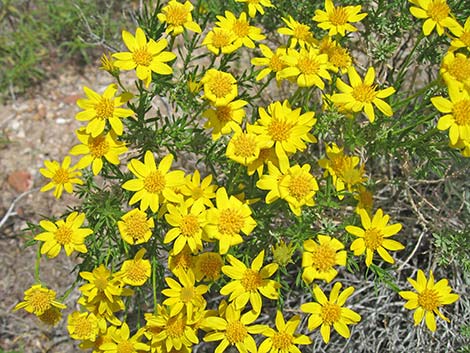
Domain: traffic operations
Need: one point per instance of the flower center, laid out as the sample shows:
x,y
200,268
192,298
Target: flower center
x,y
51,316
364,93
176,14
220,85
224,113
98,147
175,327
460,68
155,182
137,272
241,28
324,257
279,130
299,186
338,16
230,222
275,63
339,57
251,280
282,341
101,283
245,146
429,299
438,10
301,32
308,66
104,108
221,39
210,265
40,301
183,259
61,176
142,56
125,347
330,313
136,226
83,328
187,294
63,235
461,112
235,332
189,225
373,238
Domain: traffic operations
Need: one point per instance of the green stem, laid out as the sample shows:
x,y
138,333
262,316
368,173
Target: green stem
x,y
36,265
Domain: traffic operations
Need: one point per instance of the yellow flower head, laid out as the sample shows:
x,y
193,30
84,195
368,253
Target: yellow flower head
x,y
122,339
245,147
137,271
338,19
95,148
135,227
362,95
178,16
307,67
274,62
184,295
208,266
255,6
436,13
99,109
153,185
266,156
62,176
107,64
299,33
455,69
219,87
374,236
101,282
457,113
51,316
462,34
184,261
144,56
365,199
248,284
339,58
224,119
331,312
220,40
284,339
67,234
187,221
244,33
319,258
428,298
197,191
83,326
38,299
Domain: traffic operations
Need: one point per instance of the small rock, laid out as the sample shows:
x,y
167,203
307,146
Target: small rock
x,y
20,180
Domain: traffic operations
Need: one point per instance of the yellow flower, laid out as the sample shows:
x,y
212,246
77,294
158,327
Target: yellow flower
x,y
337,20
437,15
255,6
137,271
83,326
124,342
208,266
145,57
234,330
184,295
51,316
457,113
284,340
197,191
38,299
95,148
244,33
463,146
338,57
282,253
299,33
135,227
224,119
230,218
374,236
98,109
107,64
456,69
249,283
274,62
266,156
219,87
307,67
287,130
362,94
184,261
62,176
153,185
462,39
429,297
365,199
67,234
330,312
220,40
187,223
177,17
319,258
245,147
